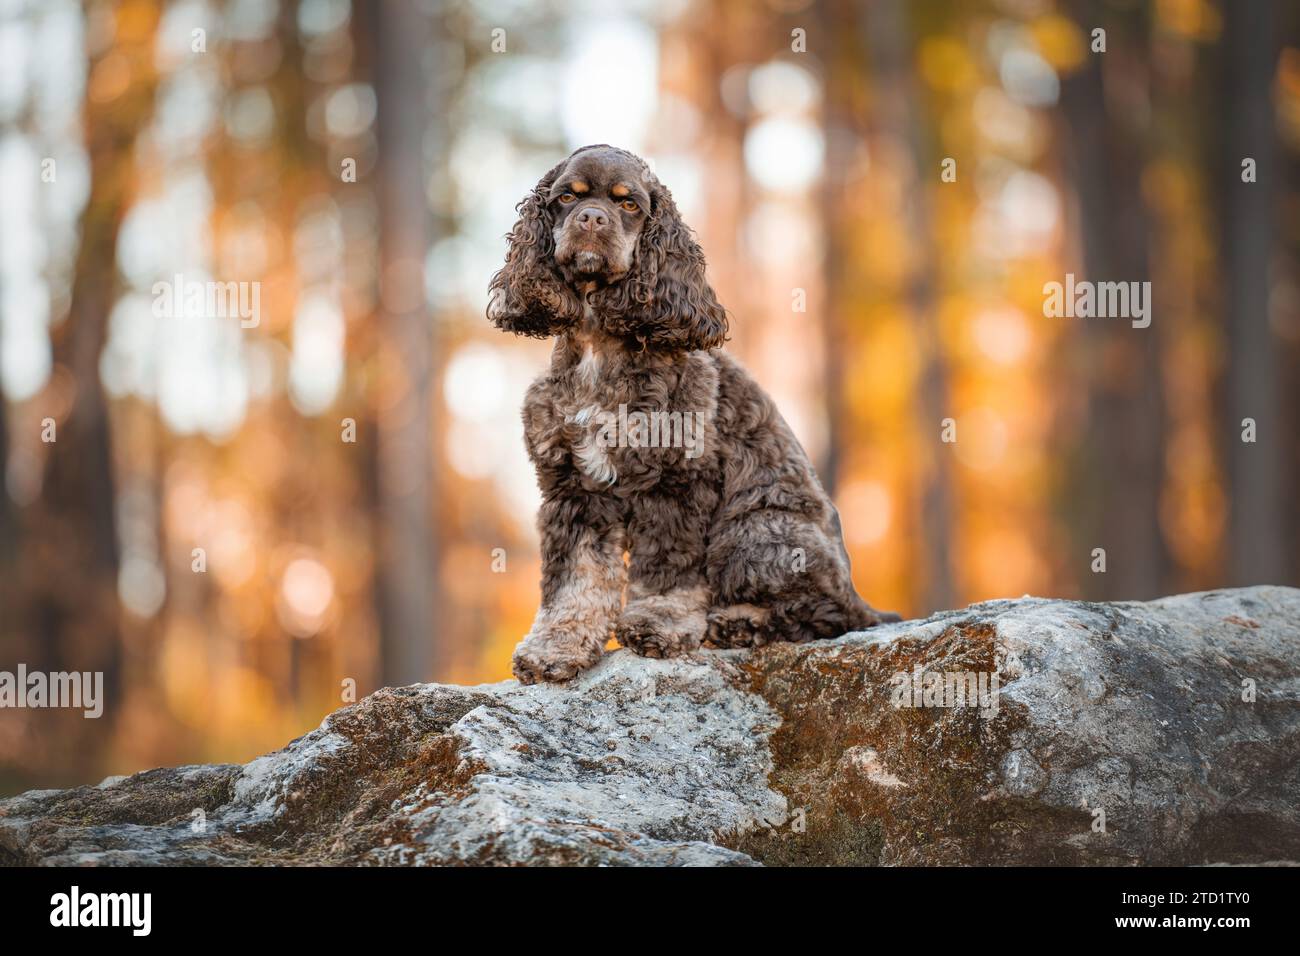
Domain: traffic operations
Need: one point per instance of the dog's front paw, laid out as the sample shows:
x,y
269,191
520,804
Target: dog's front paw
x,y
547,656
661,627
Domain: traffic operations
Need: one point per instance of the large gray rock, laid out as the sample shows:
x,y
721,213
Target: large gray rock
x,y
1166,732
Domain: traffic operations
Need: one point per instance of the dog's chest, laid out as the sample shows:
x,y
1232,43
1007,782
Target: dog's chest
x,y
589,401
619,421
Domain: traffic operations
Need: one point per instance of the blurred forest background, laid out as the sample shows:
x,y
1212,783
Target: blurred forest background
x,y
804,141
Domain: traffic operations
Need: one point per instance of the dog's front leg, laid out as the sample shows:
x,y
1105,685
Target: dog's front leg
x,y
667,595
582,591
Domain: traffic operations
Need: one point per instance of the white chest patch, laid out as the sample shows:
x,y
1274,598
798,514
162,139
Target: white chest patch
x,y
593,459
589,367
589,450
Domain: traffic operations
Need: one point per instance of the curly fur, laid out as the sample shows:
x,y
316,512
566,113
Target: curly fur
x,y
733,545
528,295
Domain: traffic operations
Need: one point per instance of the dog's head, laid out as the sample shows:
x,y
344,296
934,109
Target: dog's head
x,y
600,226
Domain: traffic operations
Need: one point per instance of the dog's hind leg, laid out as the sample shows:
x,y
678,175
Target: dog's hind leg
x,y
738,625
777,576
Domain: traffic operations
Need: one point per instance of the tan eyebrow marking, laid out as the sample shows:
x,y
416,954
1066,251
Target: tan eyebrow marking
x,y
579,186
620,190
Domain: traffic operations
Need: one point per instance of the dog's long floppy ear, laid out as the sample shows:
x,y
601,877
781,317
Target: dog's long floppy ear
x,y
665,302
528,295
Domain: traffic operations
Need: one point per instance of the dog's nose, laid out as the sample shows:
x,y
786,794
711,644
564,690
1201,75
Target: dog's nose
x,y
592,219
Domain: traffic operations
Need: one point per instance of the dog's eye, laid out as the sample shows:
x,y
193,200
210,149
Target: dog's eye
x,y
630,205
567,198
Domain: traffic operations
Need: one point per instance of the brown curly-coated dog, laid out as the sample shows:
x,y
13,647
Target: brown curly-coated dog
x,y
664,468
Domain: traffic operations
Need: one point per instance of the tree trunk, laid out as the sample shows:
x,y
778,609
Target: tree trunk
x,y
407,569
1257,529
887,39
1114,498
68,538
840,141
